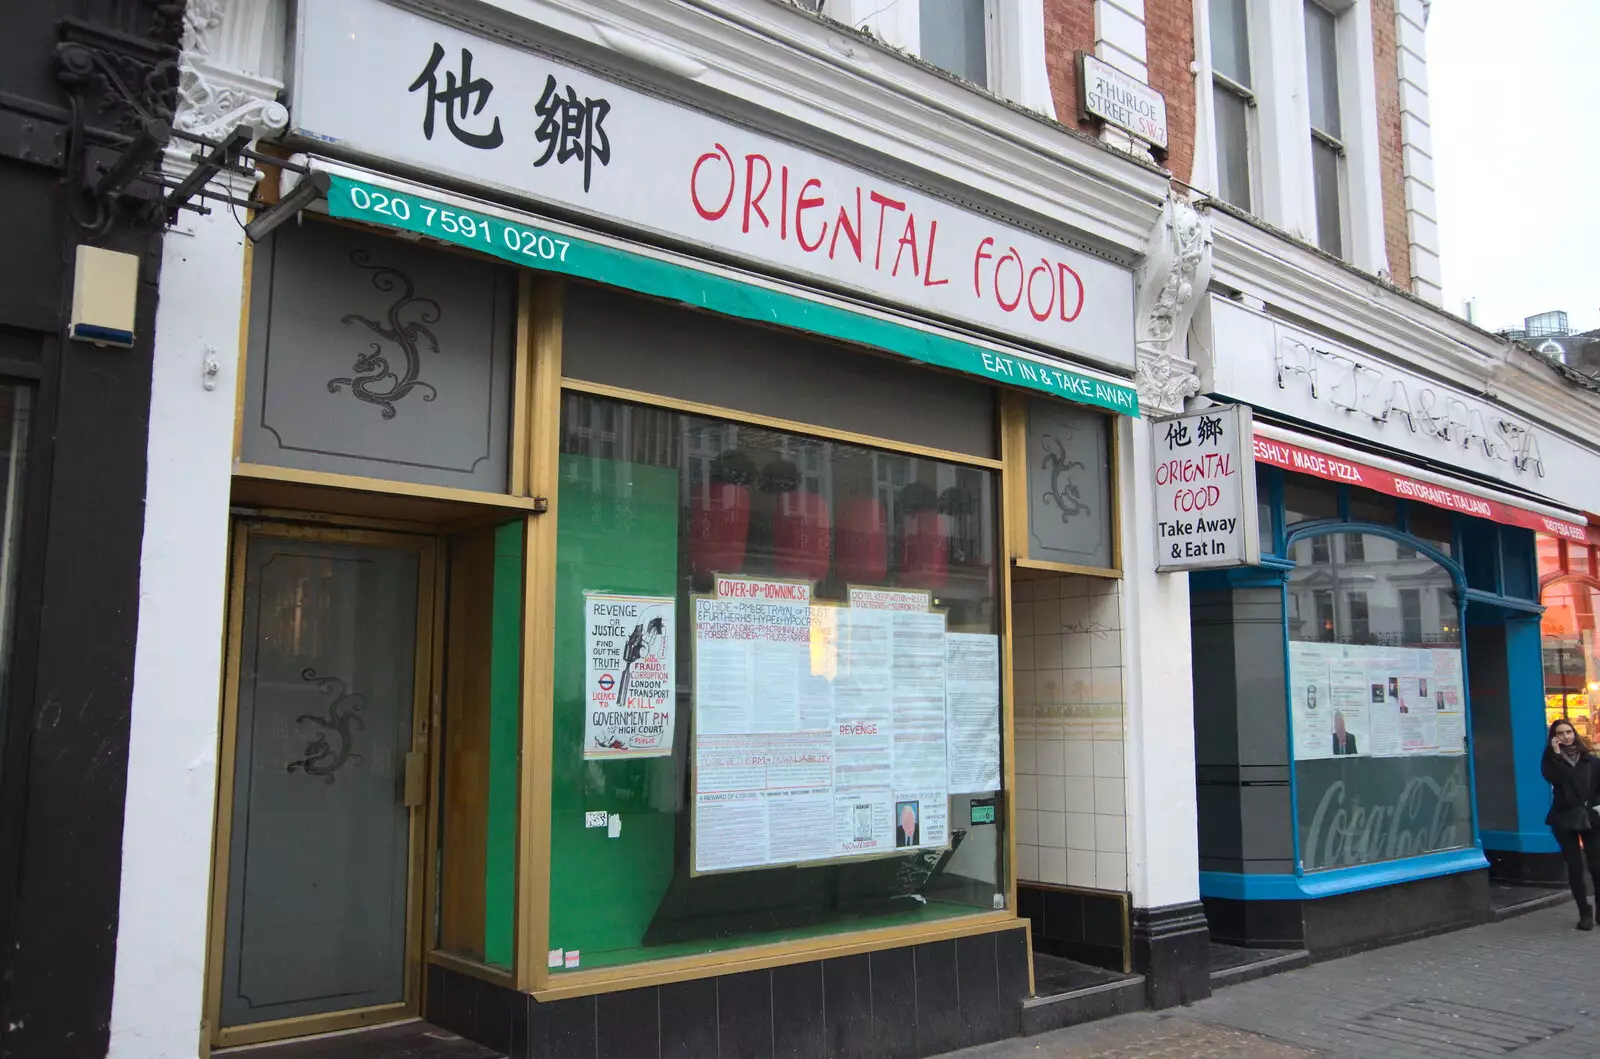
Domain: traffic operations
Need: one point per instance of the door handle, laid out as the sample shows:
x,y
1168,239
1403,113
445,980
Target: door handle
x,y
416,788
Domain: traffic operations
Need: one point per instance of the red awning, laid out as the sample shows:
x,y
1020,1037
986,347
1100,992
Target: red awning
x,y
1303,460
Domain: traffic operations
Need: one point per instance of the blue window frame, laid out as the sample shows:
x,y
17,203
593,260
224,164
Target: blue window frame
x,y
1501,579
1379,721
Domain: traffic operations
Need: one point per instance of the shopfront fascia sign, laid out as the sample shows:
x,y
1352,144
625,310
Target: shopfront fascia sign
x,y
552,248
392,85
1107,93
1205,485
1273,365
1302,460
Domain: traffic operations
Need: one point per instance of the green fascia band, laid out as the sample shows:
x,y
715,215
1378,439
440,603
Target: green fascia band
x,y
552,252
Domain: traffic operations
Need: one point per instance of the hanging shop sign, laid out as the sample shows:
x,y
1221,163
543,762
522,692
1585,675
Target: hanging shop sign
x,y
1271,364
1107,93
629,683
1303,460
1205,490
438,98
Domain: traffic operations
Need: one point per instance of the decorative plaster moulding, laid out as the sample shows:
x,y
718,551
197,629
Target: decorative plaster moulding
x,y
1303,287
771,56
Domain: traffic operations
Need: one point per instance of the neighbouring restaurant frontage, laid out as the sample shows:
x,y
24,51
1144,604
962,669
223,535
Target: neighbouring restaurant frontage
x,y
1370,701
623,640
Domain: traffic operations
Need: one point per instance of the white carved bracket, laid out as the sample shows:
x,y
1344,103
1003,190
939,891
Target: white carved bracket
x,y
229,71
1171,284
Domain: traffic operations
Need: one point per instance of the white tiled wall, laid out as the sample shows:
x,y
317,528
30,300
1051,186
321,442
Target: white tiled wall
x,y
1072,827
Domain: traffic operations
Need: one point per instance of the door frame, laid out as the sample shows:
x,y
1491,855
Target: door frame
x,y
214,1035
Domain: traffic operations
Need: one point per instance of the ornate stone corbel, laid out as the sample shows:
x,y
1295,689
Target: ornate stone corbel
x,y
228,74
1174,278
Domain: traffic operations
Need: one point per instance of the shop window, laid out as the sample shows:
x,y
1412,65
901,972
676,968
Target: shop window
x,y
1554,556
1379,711
1480,554
379,358
16,413
479,740
809,630
1432,526
1265,476
1308,499
1571,653
1069,485
1517,570
1368,506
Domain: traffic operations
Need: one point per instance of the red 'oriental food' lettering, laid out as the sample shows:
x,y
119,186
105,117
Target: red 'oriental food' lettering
x,y
1046,288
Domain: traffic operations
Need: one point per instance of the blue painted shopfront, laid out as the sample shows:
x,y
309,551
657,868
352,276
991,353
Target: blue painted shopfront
x,y
1356,577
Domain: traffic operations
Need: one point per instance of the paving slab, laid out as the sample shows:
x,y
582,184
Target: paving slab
x,y
1524,988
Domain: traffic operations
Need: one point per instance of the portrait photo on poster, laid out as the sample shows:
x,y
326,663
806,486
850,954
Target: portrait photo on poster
x,y
906,831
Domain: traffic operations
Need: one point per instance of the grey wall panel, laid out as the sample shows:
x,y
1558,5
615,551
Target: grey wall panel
x,y
621,339
379,358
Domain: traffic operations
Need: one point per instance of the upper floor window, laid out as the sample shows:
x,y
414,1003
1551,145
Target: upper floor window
x,y
1232,99
956,37
1327,145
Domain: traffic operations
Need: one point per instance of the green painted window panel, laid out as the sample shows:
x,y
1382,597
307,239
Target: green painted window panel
x,y
618,532
505,698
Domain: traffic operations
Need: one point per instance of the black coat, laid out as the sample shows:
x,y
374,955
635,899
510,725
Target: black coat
x,y
1572,789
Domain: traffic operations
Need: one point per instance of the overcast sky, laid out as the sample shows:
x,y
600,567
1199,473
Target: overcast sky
x,y
1515,101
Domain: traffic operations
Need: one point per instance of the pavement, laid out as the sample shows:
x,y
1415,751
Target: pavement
x,y
1527,988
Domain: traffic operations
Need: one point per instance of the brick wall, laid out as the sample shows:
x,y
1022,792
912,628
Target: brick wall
x,y
1169,39
1068,29
1385,58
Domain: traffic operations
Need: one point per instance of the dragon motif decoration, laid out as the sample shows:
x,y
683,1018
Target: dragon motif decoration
x,y
408,317
1062,490
322,757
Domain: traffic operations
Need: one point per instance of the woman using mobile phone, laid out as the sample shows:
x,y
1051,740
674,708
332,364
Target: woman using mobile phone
x,y
1573,773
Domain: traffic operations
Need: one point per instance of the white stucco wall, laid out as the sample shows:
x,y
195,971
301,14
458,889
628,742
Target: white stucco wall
x,y
1163,842
172,754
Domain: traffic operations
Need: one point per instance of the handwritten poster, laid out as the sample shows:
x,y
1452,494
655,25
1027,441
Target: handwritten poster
x,y
890,599
629,679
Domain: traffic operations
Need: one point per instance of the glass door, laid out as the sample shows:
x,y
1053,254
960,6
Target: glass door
x,y
324,736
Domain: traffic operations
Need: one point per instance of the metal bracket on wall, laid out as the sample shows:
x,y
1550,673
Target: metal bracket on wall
x,y
28,138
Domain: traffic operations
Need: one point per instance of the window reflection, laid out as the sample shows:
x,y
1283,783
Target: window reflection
x,y
1362,588
1378,702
